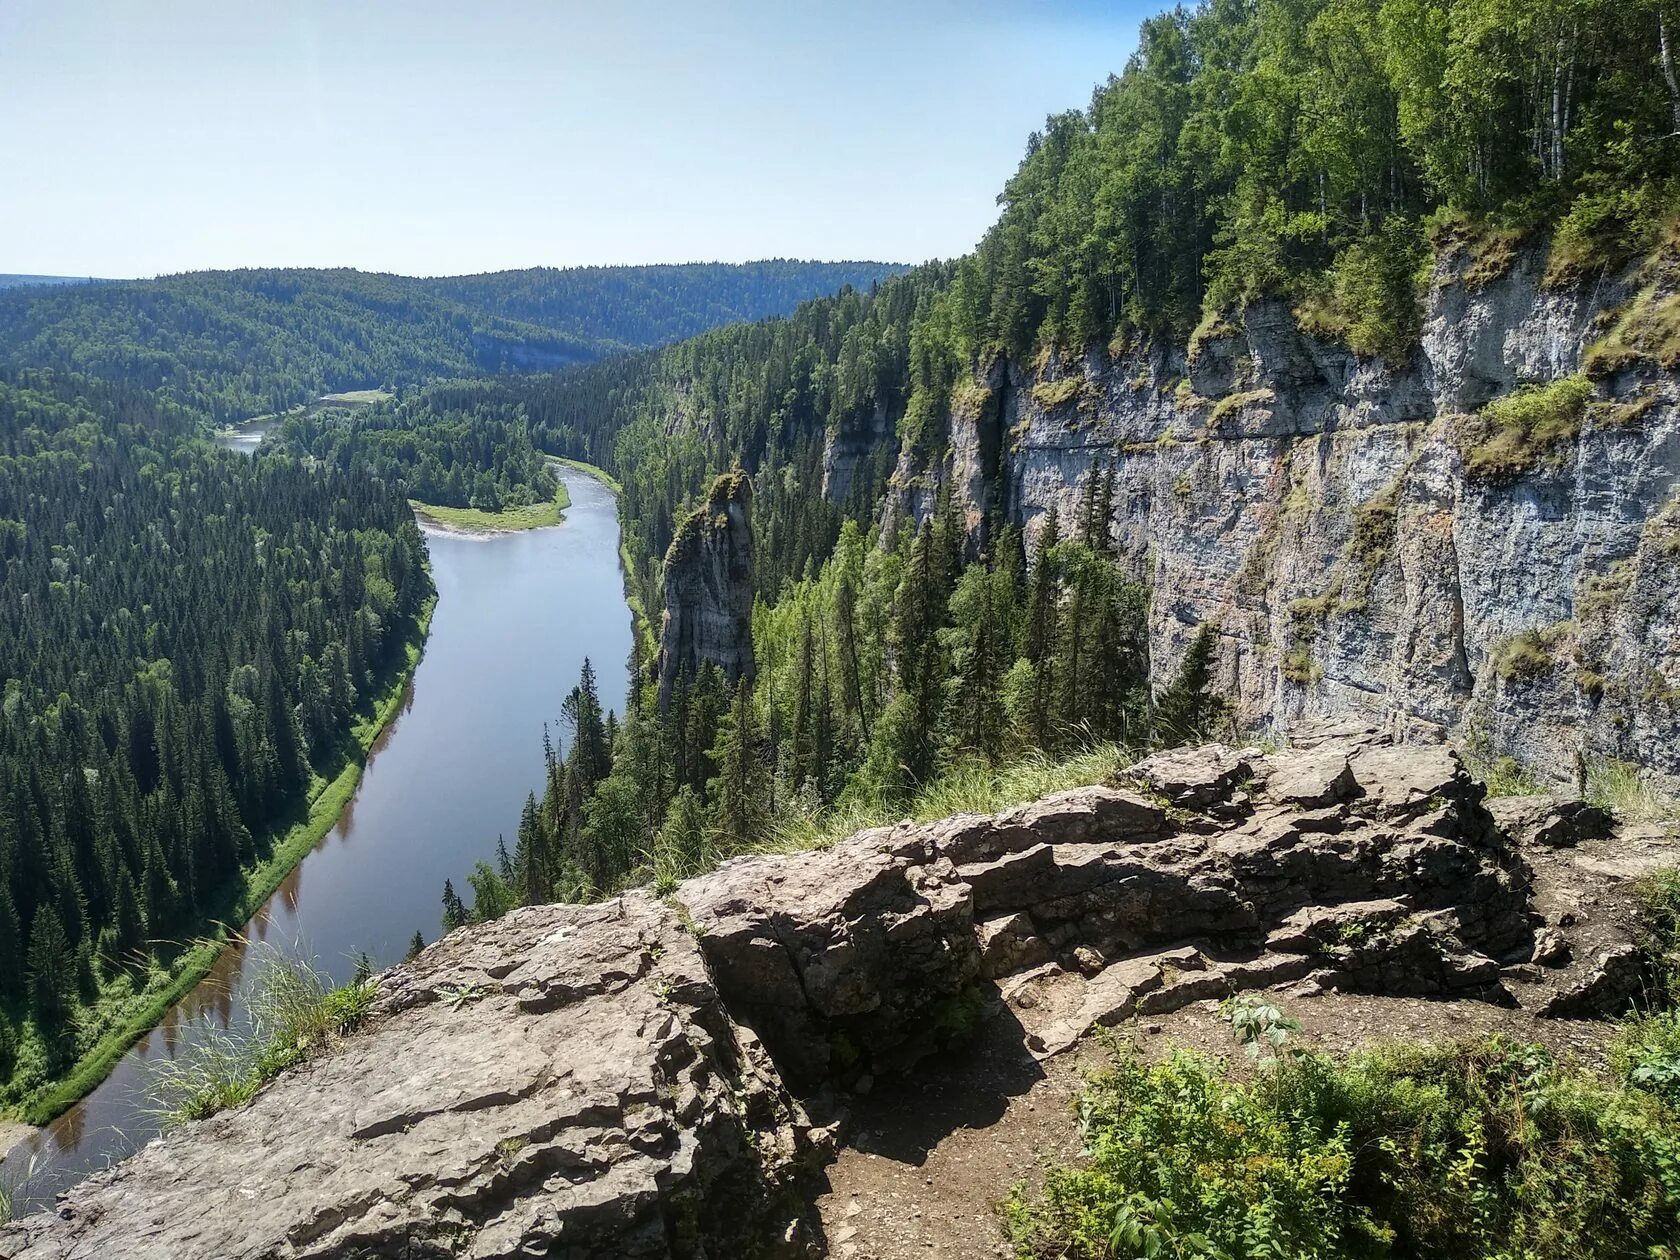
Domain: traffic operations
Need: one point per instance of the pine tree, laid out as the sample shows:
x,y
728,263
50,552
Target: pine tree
x,y
11,943
803,751
530,857
739,793
416,943
52,966
1187,711
1041,623
454,909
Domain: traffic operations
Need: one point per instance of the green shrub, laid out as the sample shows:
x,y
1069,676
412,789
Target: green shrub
x,y
1472,1151
1646,1054
1513,434
1369,297
295,1013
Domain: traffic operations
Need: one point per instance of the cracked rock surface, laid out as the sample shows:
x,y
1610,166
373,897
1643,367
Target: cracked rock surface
x,y
636,1078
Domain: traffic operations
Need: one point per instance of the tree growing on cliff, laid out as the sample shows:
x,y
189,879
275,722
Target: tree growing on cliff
x,y
740,790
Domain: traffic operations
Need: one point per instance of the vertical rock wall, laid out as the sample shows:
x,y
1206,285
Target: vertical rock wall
x,y
1317,506
709,588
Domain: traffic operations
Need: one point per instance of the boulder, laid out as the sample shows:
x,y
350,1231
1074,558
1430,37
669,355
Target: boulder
x,y
836,958
1548,821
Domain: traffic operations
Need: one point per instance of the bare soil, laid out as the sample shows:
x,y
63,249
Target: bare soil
x,y
929,1159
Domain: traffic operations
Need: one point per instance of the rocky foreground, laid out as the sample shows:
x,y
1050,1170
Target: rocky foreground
x,y
651,1078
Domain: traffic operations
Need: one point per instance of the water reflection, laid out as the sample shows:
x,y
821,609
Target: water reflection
x,y
516,616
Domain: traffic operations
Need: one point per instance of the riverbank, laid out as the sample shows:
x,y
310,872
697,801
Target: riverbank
x,y
640,621
132,1016
474,521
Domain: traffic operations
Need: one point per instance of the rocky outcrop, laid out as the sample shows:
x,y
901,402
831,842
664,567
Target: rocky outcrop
x,y
709,588
661,1078
1322,510
562,1082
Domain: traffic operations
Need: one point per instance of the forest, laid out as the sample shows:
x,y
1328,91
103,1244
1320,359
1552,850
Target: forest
x,y
233,345
186,638
1318,151
450,444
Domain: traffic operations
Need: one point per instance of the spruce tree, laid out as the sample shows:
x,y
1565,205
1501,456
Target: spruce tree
x,y
1040,633
454,909
1188,710
739,792
52,966
11,944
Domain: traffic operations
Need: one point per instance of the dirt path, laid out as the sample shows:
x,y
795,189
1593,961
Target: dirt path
x,y
929,1160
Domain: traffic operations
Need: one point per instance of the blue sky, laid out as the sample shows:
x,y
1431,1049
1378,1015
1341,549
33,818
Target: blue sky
x,y
436,138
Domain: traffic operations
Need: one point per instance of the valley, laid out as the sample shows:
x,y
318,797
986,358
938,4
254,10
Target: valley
x,y
1154,735
443,780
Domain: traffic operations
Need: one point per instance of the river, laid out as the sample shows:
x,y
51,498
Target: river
x,y
516,615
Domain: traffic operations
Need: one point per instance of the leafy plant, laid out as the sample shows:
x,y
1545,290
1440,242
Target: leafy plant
x,y
1260,1026
1483,1150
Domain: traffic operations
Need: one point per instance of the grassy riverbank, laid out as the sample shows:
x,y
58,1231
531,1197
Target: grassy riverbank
x,y
123,1014
535,516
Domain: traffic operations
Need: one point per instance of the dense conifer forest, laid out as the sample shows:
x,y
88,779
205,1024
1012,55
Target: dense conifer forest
x,y
452,444
186,637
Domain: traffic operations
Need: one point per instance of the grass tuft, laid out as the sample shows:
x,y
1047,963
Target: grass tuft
x,y
968,787
1623,789
296,1013
1513,435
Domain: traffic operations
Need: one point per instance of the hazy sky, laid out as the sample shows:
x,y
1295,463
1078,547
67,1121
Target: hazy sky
x,y
428,138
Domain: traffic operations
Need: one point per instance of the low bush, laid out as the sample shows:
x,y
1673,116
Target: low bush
x,y
1513,435
1484,1150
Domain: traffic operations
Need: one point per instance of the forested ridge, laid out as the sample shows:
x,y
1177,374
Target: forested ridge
x,y
1320,151
451,444
186,637
230,345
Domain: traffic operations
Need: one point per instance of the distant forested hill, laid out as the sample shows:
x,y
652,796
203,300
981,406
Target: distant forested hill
x,y
228,345
645,306
11,280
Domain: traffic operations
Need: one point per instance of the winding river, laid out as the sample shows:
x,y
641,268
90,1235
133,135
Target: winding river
x,y
516,615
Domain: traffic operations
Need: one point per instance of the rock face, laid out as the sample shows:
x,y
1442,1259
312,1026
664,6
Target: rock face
x,y
563,1082
637,1078
1319,508
709,588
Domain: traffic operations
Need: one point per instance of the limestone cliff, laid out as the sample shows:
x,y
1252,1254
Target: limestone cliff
x,y
665,1077
709,588
1365,538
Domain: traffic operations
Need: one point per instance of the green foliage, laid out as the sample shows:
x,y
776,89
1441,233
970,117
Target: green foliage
x,y
447,446
190,640
295,1013
231,345
1480,1150
1189,709
1369,298
1646,1053
1260,1026
1514,434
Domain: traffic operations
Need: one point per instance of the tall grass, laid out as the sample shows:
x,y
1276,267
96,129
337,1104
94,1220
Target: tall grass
x,y
1621,788
967,787
295,1012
